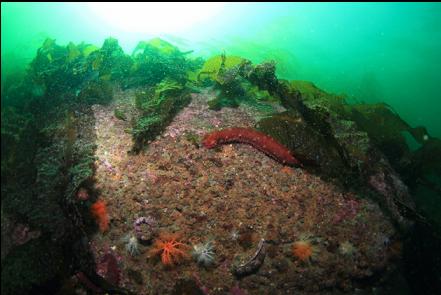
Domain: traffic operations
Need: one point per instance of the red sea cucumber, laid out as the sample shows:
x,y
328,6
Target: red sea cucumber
x,y
257,139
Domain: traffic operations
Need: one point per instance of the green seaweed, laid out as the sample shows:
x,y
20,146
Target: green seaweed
x,y
193,138
236,80
158,106
119,114
156,60
216,64
48,141
98,91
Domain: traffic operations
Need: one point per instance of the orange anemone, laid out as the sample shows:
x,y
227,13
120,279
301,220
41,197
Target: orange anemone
x,y
303,250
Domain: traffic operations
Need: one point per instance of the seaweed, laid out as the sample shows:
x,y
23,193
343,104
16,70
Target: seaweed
x,y
96,92
158,106
110,61
155,60
48,141
236,81
119,114
47,154
353,150
216,65
29,265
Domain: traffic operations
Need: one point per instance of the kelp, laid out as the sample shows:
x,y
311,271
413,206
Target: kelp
x,y
157,105
352,146
96,91
224,72
110,61
47,153
386,129
48,141
216,65
160,45
156,60
47,171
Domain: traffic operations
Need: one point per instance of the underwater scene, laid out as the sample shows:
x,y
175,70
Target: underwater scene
x,y
220,148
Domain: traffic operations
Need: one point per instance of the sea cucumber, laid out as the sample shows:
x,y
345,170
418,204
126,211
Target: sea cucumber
x,y
257,139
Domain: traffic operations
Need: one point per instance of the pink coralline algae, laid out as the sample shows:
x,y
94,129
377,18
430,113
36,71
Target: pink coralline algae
x,y
108,268
388,185
152,176
348,211
236,290
108,166
378,182
204,289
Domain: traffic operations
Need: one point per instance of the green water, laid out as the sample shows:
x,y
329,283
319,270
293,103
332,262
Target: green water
x,y
370,52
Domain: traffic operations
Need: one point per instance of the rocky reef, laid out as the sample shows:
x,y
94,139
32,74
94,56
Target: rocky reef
x,y
93,139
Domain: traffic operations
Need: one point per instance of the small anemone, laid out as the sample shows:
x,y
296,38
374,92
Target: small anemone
x,y
346,249
203,253
303,249
234,235
132,244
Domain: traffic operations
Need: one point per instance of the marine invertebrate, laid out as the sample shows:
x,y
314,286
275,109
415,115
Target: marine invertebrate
x,y
82,194
203,253
234,235
258,140
303,249
253,264
132,244
145,228
170,248
346,249
99,212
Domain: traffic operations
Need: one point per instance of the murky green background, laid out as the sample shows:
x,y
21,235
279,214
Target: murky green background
x,y
369,51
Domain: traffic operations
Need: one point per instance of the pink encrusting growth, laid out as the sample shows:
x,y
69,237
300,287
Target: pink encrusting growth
x,y
257,139
108,268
